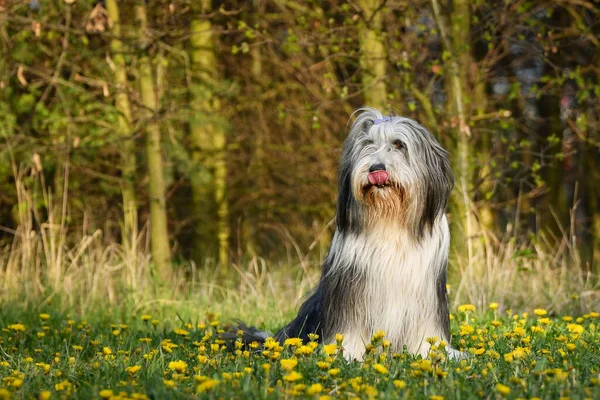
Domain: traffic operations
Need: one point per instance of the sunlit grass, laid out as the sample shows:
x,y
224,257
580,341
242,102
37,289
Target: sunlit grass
x,y
52,355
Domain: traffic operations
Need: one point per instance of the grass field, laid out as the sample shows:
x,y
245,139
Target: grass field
x,y
81,316
47,354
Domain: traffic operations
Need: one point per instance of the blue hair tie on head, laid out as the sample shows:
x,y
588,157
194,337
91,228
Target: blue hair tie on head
x,y
378,121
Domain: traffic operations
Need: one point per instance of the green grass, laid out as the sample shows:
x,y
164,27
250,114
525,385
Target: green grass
x,y
517,356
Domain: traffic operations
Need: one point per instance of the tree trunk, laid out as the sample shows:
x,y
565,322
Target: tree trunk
x,y
373,56
455,35
208,133
159,235
126,142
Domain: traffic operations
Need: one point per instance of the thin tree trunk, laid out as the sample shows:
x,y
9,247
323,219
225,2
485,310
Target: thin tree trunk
x,y
455,37
207,130
373,56
159,235
126,143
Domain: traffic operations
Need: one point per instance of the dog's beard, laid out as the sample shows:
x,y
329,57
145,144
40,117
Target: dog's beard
x,y
379,203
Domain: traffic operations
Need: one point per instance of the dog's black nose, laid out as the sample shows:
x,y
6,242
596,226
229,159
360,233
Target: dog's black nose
x,y
377,167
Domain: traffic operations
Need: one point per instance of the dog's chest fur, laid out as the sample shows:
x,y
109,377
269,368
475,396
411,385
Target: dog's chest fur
x,y
388,283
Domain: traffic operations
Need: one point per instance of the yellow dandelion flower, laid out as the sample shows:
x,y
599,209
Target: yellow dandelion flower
x,y
575,328
288,364
44,395
334,371
312,337
509,357
77,347
179,366
540,312
44,317
520,352
502,389
493,306
106,351
465,308
116,332
63,386
181,332
571,347
106,393
436,397
380,368
398,384
17,327
294,342
169,383
466,330
339,338
323,365
292,376
314,389
330,348
4,394
17,383
207,385
133,369
304,350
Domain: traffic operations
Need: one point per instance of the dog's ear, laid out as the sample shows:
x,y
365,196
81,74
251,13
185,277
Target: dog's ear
x,y
346,207
439,181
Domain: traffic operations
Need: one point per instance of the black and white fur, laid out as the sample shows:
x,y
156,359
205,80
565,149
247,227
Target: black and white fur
x,y
387,266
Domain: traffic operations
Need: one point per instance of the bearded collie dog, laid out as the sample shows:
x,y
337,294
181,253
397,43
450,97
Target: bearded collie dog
x,y
387,265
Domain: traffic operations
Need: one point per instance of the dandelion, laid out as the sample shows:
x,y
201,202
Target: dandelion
x,y
334,371
288,364
207,385
436,397
493,306
304,350
330,348
17,327
44,317
292,376
181,332
575,328
465,308
294,342
179,366
466,330
323,365
380,368
44,395
502,389
106,393
540,312
314,389
398,384
169,383
106,351
133,369
339,338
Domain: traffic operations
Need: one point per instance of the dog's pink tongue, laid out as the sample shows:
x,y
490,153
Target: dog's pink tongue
x,y
378,178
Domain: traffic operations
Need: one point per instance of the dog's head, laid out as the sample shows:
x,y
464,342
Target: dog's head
x,y
391,168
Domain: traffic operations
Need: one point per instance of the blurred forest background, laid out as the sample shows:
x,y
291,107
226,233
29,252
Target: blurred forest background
x,y
198,141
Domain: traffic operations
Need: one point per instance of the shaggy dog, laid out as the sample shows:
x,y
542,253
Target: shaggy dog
x,y
387,266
